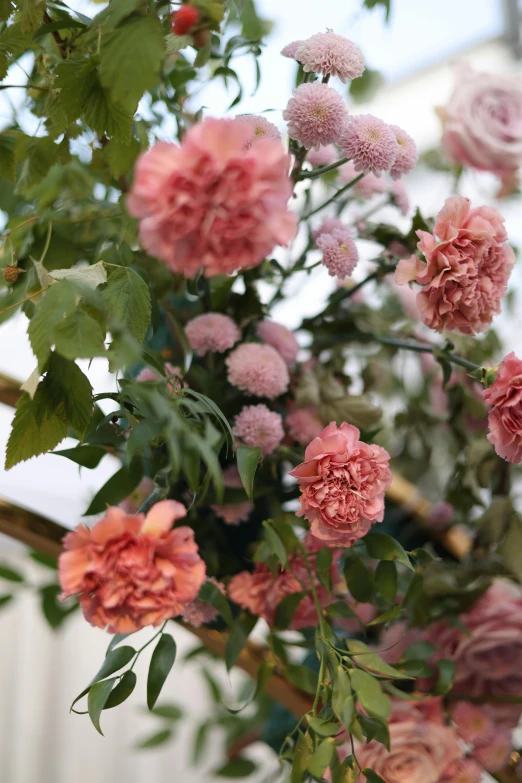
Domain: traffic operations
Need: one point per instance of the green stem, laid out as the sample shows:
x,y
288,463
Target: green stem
x,y
322,170
139,652
420,348
375,208
383,269
157,494
22,301
335,196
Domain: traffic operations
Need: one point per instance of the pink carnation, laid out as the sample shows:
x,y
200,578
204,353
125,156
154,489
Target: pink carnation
x,y
342,482
468,265
370,143
329,54
316,115
399,196
487,655
260,128
463,771
256,425
473,724
198,613
340,254
303,425
132,570
407,154
175,375
324,156
290,49
280,338
258,370
483,121
261,591
212,332
504,397
210,204
367,187
328,225
494,752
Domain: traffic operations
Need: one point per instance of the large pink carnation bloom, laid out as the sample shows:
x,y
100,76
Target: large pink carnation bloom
x,y
504,397
210,204
468,265
488,653
132,570
483,121
342,482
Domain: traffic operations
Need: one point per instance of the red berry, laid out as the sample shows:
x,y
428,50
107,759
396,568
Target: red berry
x,y
184,19
11,274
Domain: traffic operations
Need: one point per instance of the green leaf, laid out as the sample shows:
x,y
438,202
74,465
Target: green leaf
x,y
116,639
168,712
247,461
7,156
286,609
302,677
212,595
321,758
78,336
131,57
371,660
302,754
446,677
323,727
69,387
369,693
161,663
127,298
414,590
10,574
511,547
122,691
117,488
86,456
156,739
114,661
54,611
370,775
5,599
13,42
237,638
57,303
342,698
236,768
253,27
49,561
274,542
96,700
200,741
374,728
386,617
359,580
364,89
29,14
121,156
386,580
383,547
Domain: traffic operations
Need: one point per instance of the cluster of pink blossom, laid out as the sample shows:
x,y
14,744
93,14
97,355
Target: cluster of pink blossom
x,y
256,425
258,370
212,332
340,253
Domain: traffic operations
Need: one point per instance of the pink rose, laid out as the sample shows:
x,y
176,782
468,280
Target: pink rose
x,y
132,570
483,121
504,397
466,271
342,482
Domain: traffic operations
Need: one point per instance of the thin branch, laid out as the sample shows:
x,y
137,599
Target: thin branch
x,y
322,170
335,196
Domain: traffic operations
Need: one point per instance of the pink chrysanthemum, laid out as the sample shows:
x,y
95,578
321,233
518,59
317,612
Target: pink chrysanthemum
x,y
473,724
407,154
198,613
316,115
174,374
260,127
210,204
367,187
303,425
280,338
495,751
212,332
329,54
258,370
340,254
399,196
290,49
233,513
256,425
328,225
324,156
464,771
370,143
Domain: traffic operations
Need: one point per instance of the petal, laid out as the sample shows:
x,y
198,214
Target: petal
x,y
162,516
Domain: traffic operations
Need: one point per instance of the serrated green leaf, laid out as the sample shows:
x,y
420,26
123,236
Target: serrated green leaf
x,y
29,14
56,304
13,41
247,461
96,700
37,156
78,336
117,488
121,157
86,456
127,298
131,57
69,387
161,663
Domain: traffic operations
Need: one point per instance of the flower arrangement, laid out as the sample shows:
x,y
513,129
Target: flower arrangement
x,y
257,461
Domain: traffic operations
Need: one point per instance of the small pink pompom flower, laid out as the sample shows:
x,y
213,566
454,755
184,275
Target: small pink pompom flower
x,y
212,332
290,49
324,156
370,143
495,751
399,196
303,425
407,154
258,370
473,724
327,226
260,127
316,115
256,425
132,570
340,254
329,54
198,613
464,771
367,187
211,205
280,338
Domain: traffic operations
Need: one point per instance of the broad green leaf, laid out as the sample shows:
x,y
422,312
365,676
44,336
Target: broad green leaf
x,y
161,663
236,768
446,677
29,14
369,693
91,276
156,739
383,547
323,727
247,461
37,155
5,599
212,595
342,698
200,741
302,754
58,302
97,699
253,27
121,156
6,9
117,488
10,574
116,639
359,580
13,41
131,57
114,661
86,456
122,691
127,298
386,4
168,712
286,609
386,580
371,660
386,617
302,677
69,387
374,728
54,610
237,638
7,156
370,775
78,336
414,590
321,758
274,542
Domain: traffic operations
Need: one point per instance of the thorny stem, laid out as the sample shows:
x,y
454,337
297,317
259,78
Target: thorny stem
x,y
335,196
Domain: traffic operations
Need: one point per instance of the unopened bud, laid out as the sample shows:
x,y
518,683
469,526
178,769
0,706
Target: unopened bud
x,y
11,274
